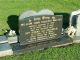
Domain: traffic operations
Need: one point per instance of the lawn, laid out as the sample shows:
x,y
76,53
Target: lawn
x,y
16,7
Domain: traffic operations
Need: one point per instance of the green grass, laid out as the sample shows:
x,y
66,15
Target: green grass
x,y
16,7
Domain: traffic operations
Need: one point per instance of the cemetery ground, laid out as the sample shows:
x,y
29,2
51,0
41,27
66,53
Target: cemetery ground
x,y
9,12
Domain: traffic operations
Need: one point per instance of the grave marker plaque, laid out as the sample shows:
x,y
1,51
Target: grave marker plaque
x,y
40,28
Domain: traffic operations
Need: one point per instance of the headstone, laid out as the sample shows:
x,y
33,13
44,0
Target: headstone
x,y
75,21
27,14
5,49
45,12
73,18
40,28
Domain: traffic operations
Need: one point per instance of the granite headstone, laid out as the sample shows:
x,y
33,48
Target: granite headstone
x,y
39,27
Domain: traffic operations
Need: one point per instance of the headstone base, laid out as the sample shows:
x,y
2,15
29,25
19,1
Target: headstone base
x,y
18,49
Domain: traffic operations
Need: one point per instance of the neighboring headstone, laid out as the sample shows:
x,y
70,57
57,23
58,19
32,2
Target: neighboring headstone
x,y
75,21
45,12
27,14
3,39
34,13
40,28
5,49
73,17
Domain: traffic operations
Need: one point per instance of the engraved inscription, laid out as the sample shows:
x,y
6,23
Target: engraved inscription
x,y
41,28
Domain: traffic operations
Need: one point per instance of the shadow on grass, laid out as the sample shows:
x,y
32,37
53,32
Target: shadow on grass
x,y
66,17
13,23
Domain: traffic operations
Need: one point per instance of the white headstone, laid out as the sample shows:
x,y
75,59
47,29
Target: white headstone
x,y
27,14
73,16
45,12
32,13
75,21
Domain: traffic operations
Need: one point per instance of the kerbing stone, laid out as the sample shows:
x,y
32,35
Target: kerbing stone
x,y
5,49
3,39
